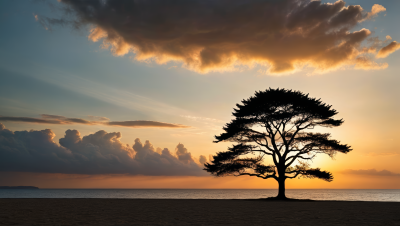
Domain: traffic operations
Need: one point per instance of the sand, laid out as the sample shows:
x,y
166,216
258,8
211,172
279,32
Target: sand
x,y
195,212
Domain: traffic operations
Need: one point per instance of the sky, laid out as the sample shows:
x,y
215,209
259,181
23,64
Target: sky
x,y
130,94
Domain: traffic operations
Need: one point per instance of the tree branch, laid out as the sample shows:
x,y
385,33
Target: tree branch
x,y
298,155
259,175
273,141
297,173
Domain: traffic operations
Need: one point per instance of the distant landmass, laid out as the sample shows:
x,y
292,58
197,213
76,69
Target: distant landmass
x,y
18,187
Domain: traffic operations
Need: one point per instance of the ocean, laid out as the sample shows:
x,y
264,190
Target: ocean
x,y
381,195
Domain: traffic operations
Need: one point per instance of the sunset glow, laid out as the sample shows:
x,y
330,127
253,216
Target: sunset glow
x,y
126,94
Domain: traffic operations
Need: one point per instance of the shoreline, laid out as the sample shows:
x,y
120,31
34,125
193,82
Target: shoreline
x,y
95,211
333,195
260,199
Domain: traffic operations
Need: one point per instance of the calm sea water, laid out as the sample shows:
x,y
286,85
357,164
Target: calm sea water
x,y
315,194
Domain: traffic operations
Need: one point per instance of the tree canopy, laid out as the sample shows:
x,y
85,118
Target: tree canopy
x,y
276,123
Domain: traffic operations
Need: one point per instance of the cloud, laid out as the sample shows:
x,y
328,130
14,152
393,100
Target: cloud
x,y
41,21
219,35
65,120
376,8
143,123
183,155
47,22
98,118
98,153
371,172
385,51
365,63
29,119
202,159
57,119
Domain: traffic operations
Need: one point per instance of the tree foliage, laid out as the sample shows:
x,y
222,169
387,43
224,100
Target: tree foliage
x,y
276,123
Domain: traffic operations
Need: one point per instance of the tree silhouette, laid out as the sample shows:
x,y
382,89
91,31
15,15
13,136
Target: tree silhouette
x,y
273,123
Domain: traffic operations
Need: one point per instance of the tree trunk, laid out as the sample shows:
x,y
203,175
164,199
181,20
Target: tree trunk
x,y
281,193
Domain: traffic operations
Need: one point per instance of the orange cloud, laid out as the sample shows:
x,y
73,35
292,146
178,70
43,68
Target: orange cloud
x,y
385,51
376,8
205,36
366,63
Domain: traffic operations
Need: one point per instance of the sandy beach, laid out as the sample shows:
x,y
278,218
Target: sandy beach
x,y
195,212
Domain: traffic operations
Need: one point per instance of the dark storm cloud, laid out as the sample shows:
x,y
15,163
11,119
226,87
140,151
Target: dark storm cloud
x,y
371,172
98,153
223,35
57,119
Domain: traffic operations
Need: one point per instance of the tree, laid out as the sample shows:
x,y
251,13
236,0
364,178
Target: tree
x,y
275,123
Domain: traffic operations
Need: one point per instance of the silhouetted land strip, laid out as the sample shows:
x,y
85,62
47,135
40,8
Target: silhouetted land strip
x,y
18,187
195,212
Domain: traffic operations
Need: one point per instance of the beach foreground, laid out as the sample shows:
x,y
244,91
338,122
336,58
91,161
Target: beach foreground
x,y
195,212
